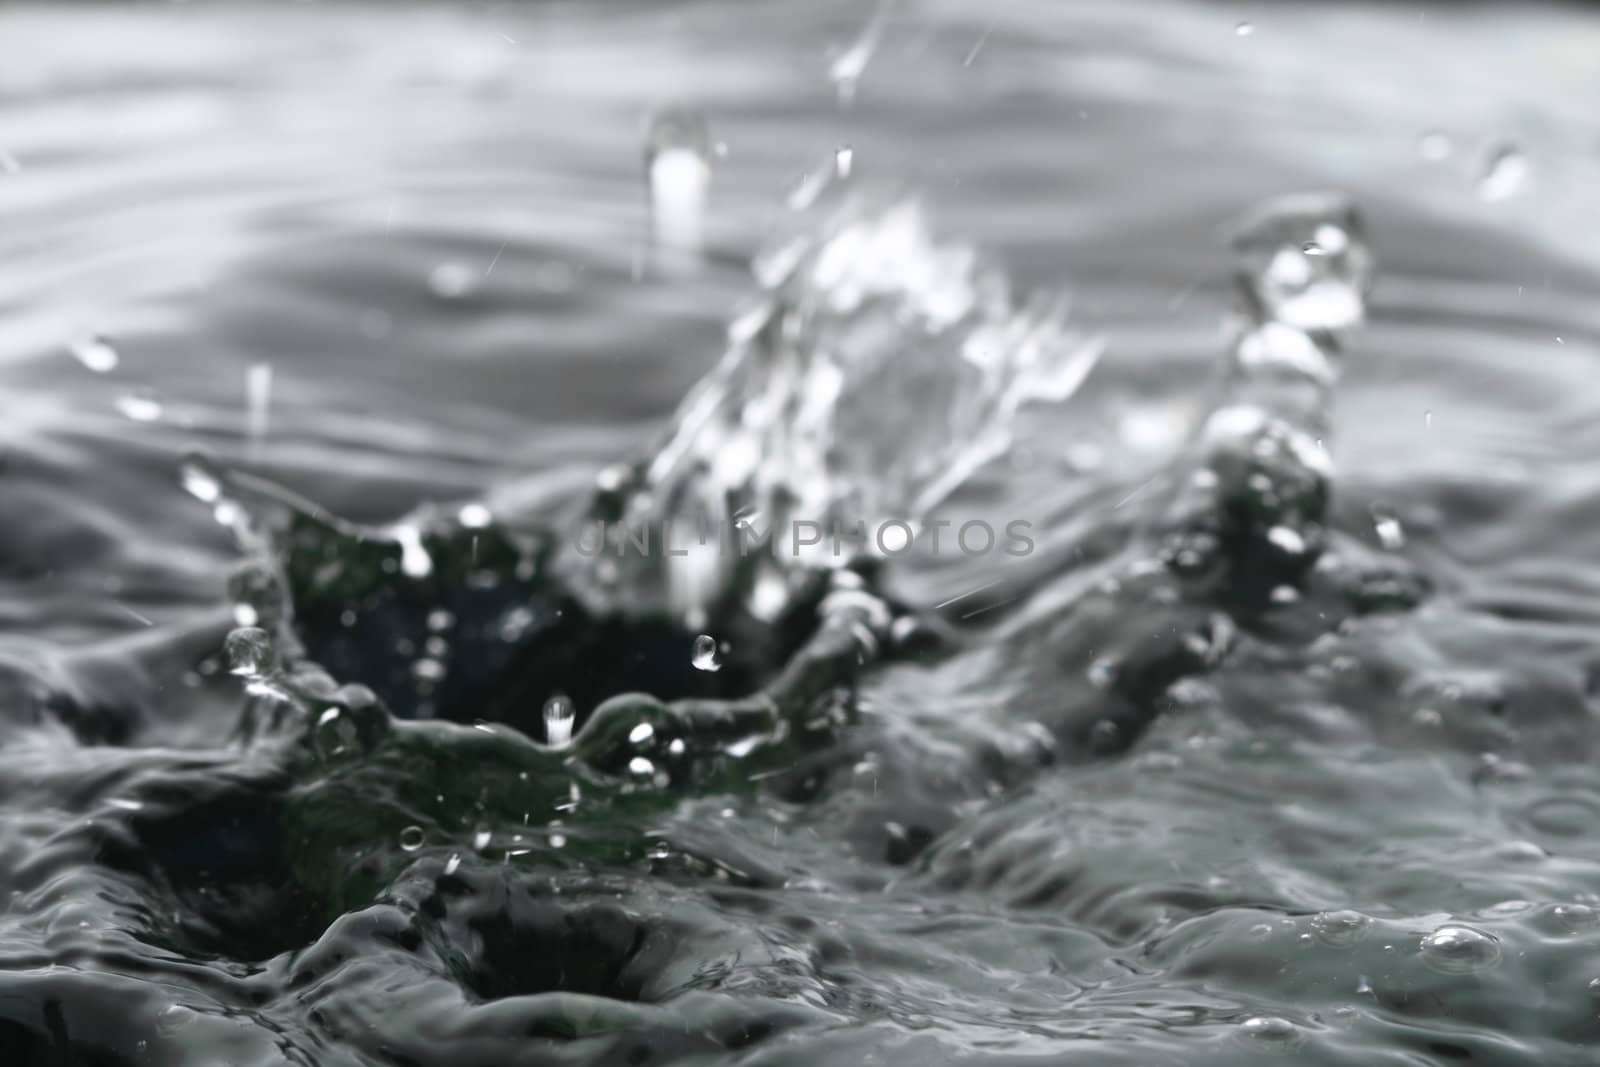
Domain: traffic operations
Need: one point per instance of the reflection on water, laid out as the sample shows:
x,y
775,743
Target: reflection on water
x,y
1278,745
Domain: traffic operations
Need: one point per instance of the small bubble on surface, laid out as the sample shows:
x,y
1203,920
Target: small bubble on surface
x,y
411,838
1457,949
1269,1028
1340,928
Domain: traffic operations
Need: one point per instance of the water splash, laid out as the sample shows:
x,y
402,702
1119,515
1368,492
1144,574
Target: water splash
x,y
1304,262
1257,491
881,369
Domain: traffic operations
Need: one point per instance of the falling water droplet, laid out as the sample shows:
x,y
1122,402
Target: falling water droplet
x,y
1455,949
1244,29
139,408
1434,146
559,713
96,353
677,166
249,652
481,838
415,562
452,281
258,393
1391,535
844,161
705,654
1505,172
1427,420
200,479
1303,261
847,67
453,864
474,516
411,838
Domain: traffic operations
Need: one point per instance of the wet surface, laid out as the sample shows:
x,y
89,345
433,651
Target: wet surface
x,y
1293,762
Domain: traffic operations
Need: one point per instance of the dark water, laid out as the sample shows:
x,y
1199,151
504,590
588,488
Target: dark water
x,y
1297,768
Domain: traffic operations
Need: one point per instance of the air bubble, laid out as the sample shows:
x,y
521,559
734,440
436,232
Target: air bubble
x,y
1340,928
1456,949
1269,1028
411,838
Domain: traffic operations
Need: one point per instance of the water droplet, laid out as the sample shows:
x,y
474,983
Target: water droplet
x,y
1391,535
844,161
1269,1028
559,715
641,767
1456,949
96,353
1427,420
705,654
1340,928
1288,539
1304,262
677,164
452,281
9,164
474,516
847,67
1434,146
1244,29
139,408
335,734
558,840
1505,172
411,838
200,479
258,395
453,864
481,839
249,652
641,733
415,562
